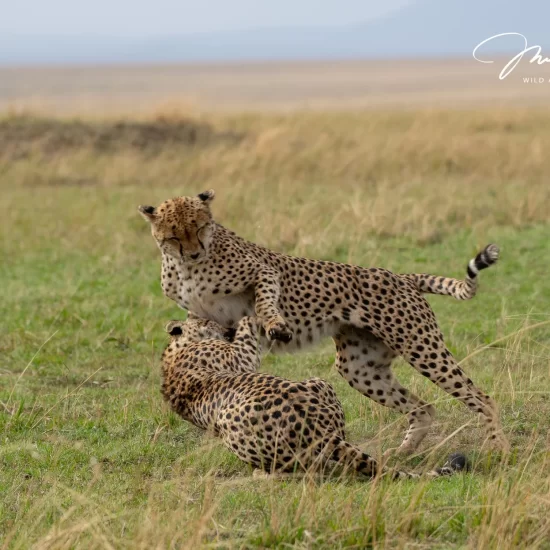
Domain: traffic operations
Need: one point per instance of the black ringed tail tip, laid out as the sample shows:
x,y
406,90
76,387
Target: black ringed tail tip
x,y
486,258
457,462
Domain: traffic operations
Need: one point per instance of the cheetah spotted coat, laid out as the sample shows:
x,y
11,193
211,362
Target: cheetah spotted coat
x,y
274,424
372,314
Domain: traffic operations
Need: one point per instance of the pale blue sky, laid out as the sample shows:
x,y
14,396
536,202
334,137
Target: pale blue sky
x,y
133,18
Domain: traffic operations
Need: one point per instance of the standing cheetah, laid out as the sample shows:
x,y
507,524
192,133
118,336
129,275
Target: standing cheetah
x,y
372,314
274,424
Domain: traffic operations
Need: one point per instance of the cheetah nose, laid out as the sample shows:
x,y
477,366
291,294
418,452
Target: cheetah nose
x,y
195,256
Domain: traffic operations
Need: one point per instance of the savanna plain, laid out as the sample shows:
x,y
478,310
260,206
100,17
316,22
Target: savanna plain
x,y
90,457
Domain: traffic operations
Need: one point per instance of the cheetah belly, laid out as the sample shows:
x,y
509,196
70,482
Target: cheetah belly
x,y
303,337
226,310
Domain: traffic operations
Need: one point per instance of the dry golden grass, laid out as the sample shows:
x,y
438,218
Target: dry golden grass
x,y
419,174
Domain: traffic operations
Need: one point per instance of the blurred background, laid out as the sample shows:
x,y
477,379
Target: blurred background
x,y
276,55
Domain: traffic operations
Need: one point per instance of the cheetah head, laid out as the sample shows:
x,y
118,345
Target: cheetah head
x,y
195,330
182,227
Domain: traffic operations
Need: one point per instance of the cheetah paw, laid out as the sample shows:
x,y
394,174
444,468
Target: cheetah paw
x,y
500,445
280,331
403,450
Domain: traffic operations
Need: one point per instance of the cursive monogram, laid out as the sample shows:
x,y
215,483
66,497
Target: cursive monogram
x,y
511,65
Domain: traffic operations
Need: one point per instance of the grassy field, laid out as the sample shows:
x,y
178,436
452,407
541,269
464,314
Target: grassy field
x,y
90,457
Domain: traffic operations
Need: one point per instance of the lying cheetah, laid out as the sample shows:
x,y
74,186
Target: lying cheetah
x,y
372,314
274,424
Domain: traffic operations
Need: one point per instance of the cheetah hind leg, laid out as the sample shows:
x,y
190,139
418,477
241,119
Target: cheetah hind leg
x,y
365,362
420,416
437,363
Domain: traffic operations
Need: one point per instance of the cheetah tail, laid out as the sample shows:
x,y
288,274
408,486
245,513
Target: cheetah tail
x,y
350,456
459,289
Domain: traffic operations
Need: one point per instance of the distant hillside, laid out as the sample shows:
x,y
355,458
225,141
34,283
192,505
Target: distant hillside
x,y
426,28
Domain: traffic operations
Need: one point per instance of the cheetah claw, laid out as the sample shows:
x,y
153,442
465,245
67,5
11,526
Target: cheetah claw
x,y
280,333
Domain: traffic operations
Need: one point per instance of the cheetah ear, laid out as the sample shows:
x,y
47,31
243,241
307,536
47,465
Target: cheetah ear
x,y
148,212
173,328
207,196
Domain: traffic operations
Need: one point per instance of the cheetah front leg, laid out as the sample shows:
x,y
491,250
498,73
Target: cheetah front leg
x,y
245,346
267,296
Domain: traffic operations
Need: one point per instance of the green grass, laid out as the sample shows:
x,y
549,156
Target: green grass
x,y
90,456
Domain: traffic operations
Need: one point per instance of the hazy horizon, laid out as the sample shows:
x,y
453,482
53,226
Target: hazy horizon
x,y
130,19
62,32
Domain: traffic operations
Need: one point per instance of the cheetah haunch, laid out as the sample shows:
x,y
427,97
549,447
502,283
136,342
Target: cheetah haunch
x,y
274,424
372,314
